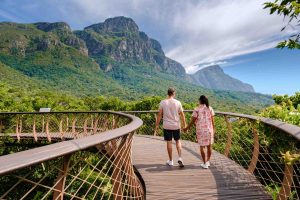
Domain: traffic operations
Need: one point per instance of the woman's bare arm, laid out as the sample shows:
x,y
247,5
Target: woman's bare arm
x,y
213,123
192,122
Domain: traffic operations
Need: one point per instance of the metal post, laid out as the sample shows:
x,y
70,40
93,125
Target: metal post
x,y
74,133
17,129
115,122
47,129
34,130
116,175
285,190
255,151
59,188
155,118
229,136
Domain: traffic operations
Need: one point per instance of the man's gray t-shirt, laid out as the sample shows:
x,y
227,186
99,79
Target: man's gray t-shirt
x,y
171,109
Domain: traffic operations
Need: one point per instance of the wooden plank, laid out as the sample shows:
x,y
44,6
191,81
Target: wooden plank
x,y
223,180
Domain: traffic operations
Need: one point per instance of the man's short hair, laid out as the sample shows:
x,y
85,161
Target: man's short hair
x,y
171,91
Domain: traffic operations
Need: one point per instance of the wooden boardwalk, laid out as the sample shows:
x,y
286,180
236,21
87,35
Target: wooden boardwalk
x,y
223,180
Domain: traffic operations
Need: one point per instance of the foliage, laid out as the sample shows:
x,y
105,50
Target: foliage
x,y
273,189
288,9
289,158
35,61
293,100
286,108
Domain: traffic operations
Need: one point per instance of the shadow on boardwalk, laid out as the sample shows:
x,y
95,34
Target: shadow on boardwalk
x,y
223,180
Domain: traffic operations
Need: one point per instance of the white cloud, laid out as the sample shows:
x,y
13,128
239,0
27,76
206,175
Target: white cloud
x,y
191,31
218,30
194,68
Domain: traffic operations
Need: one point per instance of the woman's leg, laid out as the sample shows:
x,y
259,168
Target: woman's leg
x,y
209,149
202,154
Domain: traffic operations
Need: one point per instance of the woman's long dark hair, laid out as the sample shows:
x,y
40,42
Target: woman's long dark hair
x,y
204,100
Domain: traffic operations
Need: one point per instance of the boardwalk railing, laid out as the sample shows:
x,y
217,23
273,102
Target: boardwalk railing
x,y
87,155
70,155
264,147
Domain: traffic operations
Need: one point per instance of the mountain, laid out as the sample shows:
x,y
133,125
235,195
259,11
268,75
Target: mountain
x,y
213,77
112,58
48,59
118,40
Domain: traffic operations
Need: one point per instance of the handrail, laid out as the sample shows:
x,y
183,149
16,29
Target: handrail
x,y
12,162
64,112
291,129
92,161
249,146
251,153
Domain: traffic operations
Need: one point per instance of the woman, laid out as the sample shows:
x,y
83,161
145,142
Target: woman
x,y
203,117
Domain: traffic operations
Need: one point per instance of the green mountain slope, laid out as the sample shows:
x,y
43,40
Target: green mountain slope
x,y
43,57
110,59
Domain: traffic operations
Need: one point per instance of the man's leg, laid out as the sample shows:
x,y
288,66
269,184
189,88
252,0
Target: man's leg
x,y
178,146
168,139
176,135
169,149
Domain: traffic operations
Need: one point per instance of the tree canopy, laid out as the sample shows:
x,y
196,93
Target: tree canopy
x,y
288,9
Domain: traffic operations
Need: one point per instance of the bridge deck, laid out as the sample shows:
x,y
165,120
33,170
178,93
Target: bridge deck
x,y
224,180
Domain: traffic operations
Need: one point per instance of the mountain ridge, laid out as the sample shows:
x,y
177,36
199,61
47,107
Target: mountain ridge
x,y
213,77
120,39
126,64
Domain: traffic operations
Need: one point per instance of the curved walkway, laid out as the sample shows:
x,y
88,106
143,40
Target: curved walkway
x,y
224,180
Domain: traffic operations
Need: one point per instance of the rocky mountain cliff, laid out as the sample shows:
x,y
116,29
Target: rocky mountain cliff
x,y
21,39
65,34
213,77
118,40
112,58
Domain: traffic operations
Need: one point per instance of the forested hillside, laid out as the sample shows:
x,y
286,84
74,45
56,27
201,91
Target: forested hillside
x,y
109,59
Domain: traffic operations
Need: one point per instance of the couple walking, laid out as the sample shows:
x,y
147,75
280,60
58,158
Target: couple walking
x,y
171,111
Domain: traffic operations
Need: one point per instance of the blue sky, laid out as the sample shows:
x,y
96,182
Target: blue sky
x,y
194,32
274,71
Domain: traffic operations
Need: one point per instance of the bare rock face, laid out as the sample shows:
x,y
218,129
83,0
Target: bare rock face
x,y
57,26
43,43
119,39
18,47
117,25
116,46
66,36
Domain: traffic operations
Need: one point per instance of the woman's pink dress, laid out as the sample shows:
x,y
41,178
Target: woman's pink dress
x,y
204,126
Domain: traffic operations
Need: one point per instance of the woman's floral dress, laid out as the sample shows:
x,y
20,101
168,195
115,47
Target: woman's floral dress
x,y
204,126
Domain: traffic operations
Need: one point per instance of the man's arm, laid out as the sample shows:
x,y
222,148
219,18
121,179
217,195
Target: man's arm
x,y
183,121
159,116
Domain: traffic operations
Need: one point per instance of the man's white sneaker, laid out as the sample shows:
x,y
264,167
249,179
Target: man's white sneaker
x,y
204,166
207,164
180,162
170,162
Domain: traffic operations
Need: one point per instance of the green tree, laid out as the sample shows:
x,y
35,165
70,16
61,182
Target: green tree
x,y
288,9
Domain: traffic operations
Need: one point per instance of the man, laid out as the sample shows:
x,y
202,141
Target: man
x,y
171,111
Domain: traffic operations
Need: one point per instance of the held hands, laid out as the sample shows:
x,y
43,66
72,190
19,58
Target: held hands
x,y
185,128
156,129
